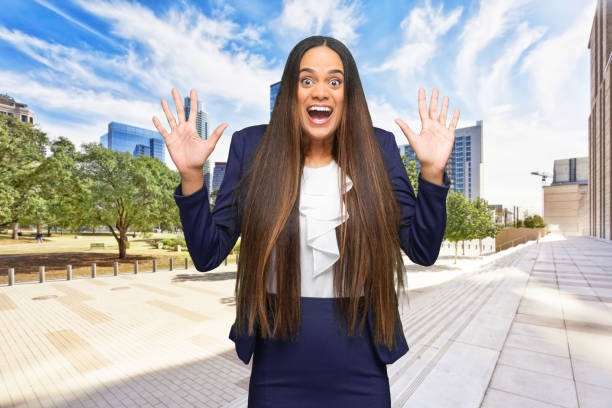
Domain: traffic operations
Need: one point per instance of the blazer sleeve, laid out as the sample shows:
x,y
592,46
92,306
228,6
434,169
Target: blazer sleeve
x,y
423,218
210,236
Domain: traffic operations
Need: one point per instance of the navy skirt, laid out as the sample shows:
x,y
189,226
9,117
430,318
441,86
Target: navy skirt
x,y
322,368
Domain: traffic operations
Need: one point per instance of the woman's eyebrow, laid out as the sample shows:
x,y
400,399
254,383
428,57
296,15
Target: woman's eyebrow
x,y
331,71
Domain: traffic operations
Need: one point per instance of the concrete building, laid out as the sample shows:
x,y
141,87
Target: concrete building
x,y
465,163
8,106
600,124
134,140
566,200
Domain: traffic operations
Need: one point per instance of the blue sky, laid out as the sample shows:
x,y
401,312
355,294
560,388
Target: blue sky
x,y
521,66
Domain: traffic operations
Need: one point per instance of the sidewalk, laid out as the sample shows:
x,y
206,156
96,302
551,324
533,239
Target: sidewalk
x,y
531,327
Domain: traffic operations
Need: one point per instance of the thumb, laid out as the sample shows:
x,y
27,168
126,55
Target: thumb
x,y
216,135
410,135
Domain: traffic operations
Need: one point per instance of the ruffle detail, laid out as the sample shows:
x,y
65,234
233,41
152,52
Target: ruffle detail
x,y
320,205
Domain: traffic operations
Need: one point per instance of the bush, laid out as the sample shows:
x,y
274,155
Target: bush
x,y
170,243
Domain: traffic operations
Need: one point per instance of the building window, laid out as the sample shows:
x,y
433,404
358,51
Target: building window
x,y
31,119
24,118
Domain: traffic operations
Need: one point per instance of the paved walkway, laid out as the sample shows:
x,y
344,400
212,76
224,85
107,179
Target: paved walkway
x,y
528,327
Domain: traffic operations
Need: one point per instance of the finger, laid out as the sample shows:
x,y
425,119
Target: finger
x,y
444,110
422,104
159,127
216,135
169,114
180,111
433,105
410,135
193,108
454,121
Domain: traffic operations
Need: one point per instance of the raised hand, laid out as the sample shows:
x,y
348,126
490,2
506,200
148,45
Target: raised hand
x,y
187,150
434,144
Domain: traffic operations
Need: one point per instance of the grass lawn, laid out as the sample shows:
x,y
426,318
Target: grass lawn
x,y
57,251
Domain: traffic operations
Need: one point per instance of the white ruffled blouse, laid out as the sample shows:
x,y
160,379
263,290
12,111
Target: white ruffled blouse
x,y
320,214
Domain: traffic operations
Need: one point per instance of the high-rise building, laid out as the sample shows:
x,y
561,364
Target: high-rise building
x,y
202,129
464,165
600,124
8,106
134,140
273,93
218,175
566,202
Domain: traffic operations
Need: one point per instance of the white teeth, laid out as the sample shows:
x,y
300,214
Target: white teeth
x,y
320,108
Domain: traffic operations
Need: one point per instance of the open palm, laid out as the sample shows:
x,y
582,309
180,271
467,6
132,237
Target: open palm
x,y
434,144
187,150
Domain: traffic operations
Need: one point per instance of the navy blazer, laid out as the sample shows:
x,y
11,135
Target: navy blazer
x,y
210,236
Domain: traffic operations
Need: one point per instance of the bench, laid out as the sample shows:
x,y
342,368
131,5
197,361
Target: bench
x,y
96,245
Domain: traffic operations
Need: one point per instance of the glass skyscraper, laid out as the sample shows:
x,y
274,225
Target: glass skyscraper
x,y
464,165
273,93
219,173
134,140
202,129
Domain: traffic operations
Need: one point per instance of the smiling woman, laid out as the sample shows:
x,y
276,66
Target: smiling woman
x,y
324,205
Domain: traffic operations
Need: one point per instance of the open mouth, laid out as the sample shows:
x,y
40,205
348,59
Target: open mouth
x,y
319,114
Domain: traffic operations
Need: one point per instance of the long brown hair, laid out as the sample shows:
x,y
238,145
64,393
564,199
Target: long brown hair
x,y
370,257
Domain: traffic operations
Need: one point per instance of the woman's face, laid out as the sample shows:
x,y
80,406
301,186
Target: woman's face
x,y
320,92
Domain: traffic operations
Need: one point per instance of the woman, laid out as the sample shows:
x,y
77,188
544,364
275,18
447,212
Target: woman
x,y
323,204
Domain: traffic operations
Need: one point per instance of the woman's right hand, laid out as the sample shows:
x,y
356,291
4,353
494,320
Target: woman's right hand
x,y
187,150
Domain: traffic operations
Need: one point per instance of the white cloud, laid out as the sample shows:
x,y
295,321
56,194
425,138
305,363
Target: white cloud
x,y
494,18
421,30
303,18
495,87
552,63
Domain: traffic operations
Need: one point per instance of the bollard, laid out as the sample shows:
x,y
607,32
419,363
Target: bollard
x,y
186,263
135,267
41,274
68,272
93,270
116,271
171,264
11,276
155,265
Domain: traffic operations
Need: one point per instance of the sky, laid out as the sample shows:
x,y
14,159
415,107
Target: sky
x,y
520,66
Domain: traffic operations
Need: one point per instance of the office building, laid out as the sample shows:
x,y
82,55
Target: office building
x,y
134,140
566,202
600,124
219,173
465,162
8,106
273,93
202,129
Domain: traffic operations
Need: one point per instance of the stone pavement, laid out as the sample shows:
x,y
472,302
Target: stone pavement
x,y
527,327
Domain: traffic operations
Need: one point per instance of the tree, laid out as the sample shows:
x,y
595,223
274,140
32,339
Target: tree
x,y
413,174
60,187
458,219
534,221
125,191
485,226
22,150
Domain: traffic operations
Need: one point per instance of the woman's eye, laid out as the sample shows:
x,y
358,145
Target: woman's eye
x,y
335,82
306,81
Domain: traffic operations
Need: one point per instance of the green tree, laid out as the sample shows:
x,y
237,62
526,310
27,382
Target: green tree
x,y
125,192
534,221
22,150
413,174
484,225
60,187
458,219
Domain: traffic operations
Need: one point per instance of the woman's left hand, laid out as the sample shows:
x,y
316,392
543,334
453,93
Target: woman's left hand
x,y
434,144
